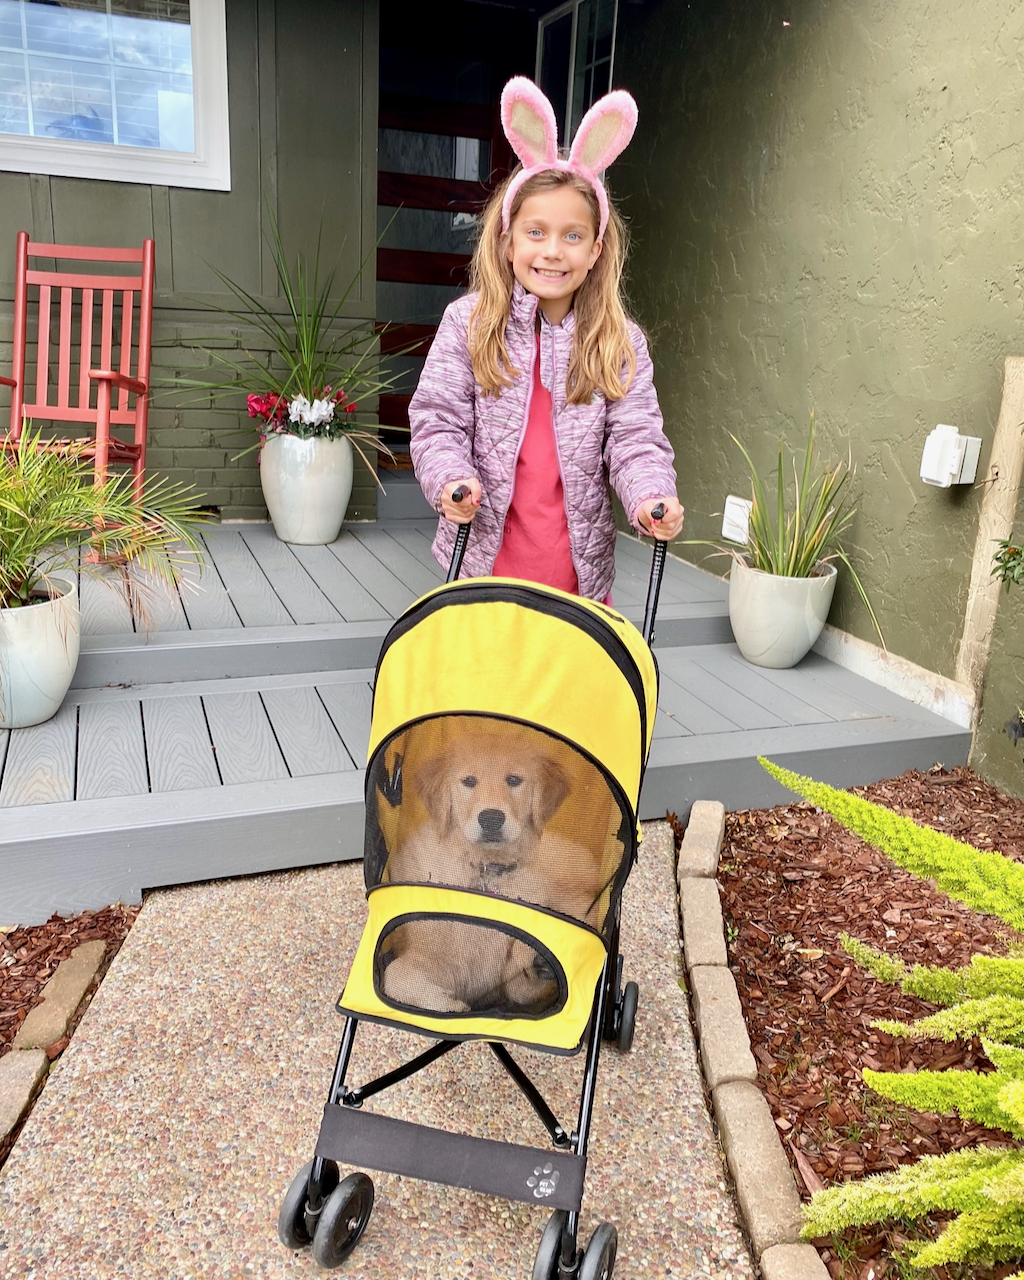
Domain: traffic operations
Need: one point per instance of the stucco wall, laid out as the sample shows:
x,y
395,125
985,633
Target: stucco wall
x,y
826,209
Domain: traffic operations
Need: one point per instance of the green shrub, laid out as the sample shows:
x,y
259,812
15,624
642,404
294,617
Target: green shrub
x,y
983,1186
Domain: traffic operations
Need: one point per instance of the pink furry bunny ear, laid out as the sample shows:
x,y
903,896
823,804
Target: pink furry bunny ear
x,y
529,123
604,132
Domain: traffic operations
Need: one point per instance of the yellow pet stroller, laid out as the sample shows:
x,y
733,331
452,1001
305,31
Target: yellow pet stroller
x,y
511,727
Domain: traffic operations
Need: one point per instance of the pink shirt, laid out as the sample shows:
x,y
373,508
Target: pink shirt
x,y
535,542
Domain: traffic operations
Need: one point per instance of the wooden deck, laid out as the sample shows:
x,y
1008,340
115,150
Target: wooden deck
x,y
225,733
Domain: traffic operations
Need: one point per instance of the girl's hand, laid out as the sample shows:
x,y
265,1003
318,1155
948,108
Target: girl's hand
x,y
464,511
670,524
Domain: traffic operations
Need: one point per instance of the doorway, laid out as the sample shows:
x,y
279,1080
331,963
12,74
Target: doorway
x,y
441,152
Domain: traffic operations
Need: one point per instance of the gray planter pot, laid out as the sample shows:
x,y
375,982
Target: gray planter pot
x,y
776,620
38,656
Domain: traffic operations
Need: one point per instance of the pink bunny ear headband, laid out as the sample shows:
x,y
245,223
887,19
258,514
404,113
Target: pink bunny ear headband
x,y
529,123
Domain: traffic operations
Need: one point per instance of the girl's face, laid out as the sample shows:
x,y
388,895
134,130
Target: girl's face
x,y
553,247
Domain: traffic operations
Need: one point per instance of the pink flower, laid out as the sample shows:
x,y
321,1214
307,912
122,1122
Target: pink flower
x,y
351,408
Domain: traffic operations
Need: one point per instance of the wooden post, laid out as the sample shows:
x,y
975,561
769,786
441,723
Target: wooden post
x,y
998,508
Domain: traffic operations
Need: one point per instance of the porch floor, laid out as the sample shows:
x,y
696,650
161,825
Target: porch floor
x,y
229,736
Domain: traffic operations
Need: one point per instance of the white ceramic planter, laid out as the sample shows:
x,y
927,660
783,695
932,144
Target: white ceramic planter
x,y
38,656
307,485
776,620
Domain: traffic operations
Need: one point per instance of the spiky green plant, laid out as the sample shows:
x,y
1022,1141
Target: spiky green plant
x,y
308,352
793,537
50,509
983,1186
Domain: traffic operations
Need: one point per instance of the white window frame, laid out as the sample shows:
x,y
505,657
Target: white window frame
x,y
572,6
208,167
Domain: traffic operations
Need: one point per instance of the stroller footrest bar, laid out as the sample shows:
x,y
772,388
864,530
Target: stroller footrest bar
x,y
530,1174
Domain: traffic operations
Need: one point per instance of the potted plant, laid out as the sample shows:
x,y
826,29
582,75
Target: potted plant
x,y
303,394
50,510
782,582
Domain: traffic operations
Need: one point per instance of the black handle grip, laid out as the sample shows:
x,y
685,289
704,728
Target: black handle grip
x,y
459,494
653,590
659,512
458,551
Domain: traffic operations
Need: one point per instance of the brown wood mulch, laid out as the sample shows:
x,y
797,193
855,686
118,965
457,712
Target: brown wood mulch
x,y
29,957
793,879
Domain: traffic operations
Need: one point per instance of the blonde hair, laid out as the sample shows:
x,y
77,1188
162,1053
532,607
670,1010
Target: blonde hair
x,y
602,357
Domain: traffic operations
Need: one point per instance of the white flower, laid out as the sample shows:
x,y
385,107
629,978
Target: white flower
x,y
313,415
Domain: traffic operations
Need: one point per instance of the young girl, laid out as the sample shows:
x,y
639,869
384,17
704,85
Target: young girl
x,y
537,391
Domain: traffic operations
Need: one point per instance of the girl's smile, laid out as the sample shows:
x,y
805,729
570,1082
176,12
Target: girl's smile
x,y
553,248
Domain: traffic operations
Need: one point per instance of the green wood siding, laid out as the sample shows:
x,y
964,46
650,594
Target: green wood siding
x,y
302,77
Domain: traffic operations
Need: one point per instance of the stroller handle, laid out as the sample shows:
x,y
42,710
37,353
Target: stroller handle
x,y
653,588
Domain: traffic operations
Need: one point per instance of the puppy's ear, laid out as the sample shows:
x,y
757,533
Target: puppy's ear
x,y
433,789
552,788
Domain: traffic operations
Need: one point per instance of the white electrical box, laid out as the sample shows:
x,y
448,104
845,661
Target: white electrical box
x,y
950,458
736,519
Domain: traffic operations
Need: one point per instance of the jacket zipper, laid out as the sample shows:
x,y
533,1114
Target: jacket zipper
x,y
522,437
558,456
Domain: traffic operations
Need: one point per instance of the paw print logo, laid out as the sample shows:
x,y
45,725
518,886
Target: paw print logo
x,y
543,1181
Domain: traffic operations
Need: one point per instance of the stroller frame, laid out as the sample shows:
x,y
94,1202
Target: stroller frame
x,y
332,1216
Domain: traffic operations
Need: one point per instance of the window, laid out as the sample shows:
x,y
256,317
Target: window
x,y
125,90
575,55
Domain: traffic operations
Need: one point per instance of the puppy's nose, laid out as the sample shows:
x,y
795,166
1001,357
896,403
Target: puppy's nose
x,y
491,821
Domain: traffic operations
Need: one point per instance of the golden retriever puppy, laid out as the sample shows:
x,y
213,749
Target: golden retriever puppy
x,y
489,799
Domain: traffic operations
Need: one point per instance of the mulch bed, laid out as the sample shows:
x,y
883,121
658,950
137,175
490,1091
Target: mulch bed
x,y
793,879
29,957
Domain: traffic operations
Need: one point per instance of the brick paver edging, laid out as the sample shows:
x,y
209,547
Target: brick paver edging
x,y
24,1069
765,1187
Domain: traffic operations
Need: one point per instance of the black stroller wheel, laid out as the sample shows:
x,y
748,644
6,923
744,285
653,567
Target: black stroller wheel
x,y
292,1228
343,1220
599,1260
627,1018
546,1265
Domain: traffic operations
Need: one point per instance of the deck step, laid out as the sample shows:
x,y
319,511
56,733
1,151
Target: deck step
x,y
207,776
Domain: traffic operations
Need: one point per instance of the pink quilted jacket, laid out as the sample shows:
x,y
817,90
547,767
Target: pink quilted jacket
x,y
457,432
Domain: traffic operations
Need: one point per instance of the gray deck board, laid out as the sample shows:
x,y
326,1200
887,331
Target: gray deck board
x,y
347,596
104,608
204,597
243,740
418,547
158,606
111,751
388,590
744,711
416,576
725,664
349,706
245,581
178,744
285,572
40,765
308,738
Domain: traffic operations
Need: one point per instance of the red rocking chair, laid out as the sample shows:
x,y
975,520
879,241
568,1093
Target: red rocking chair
x,y
125,328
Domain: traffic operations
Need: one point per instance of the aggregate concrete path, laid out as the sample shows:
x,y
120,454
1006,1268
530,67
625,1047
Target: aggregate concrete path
x,y
192,1091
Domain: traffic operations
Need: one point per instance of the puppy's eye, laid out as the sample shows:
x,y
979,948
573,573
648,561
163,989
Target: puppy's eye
x,y
469,782
514,780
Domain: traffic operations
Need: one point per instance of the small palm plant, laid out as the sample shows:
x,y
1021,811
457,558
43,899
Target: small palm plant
x,y
50,509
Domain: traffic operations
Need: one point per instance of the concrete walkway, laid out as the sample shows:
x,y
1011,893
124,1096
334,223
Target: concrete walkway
x,y
192,1092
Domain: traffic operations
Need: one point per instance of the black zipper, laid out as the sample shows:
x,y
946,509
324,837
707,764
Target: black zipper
x,y
589,623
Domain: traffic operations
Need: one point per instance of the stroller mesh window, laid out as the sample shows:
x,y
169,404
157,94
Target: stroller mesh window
x,y
504,810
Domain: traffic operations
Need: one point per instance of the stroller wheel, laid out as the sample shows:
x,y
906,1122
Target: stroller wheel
x,y
627,1018
292,1229
599,1260
546,1266
343,1220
